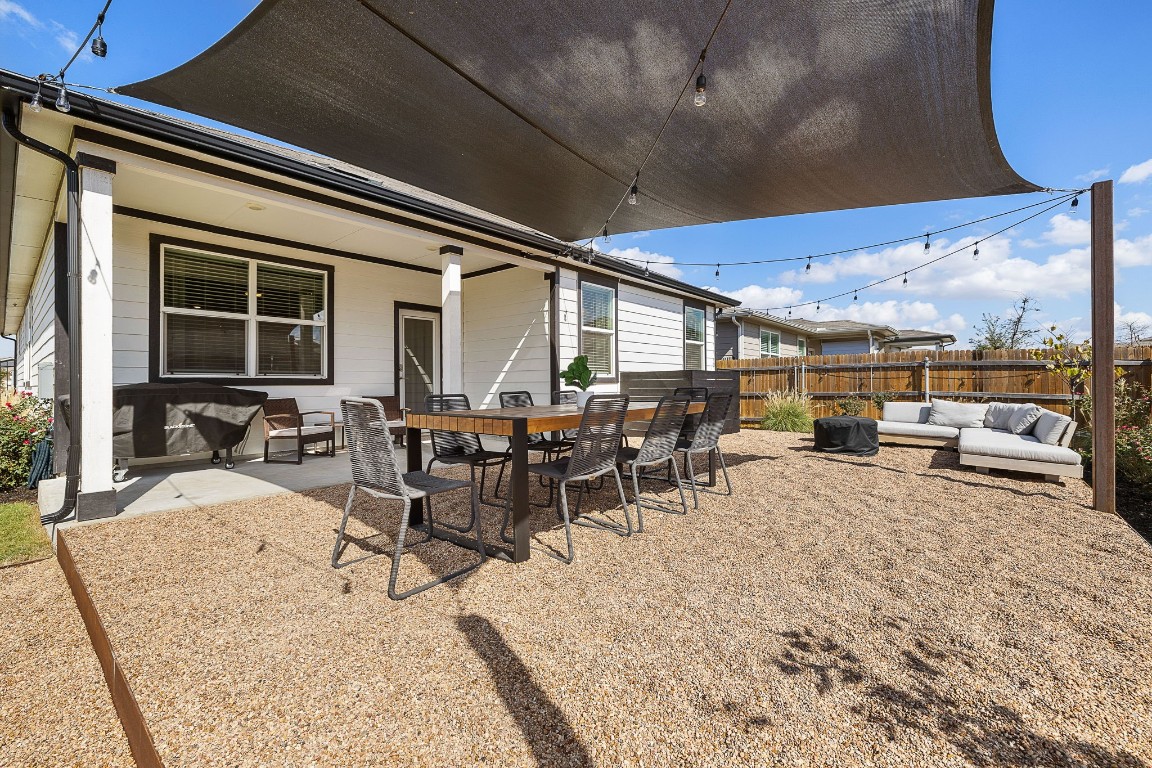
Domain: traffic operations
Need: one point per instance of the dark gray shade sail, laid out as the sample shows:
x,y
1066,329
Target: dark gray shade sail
x,y
542,111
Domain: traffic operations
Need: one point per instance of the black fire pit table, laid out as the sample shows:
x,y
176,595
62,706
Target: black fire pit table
x,y
851,435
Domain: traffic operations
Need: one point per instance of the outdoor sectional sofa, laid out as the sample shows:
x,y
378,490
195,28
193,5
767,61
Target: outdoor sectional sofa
x,y
1020,437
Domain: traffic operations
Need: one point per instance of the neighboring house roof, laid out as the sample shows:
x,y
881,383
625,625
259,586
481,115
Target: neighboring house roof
x,y
820,329
299,166
915,338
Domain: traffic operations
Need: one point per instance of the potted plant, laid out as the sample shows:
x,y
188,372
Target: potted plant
x,y
579,375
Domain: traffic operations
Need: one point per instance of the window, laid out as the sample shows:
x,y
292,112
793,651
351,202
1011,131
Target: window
x,y
801,346
232,316
693,339
598,327
769,343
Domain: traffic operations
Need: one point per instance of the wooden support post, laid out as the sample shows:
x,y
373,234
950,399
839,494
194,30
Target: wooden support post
x,y
1103,352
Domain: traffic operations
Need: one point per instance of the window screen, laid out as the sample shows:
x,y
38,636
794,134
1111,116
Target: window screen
x,y
598,327
769,343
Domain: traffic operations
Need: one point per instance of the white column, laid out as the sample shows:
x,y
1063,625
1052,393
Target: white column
x,y
451,320
96,325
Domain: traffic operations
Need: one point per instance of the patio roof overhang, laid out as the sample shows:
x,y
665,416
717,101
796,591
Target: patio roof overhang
x,y
543,112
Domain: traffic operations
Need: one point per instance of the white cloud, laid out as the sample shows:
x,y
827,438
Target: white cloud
x,y
10,9
921,315
1133,253
1064,229
764,297
1137,212
657,262
1137,173
1093,175
67,39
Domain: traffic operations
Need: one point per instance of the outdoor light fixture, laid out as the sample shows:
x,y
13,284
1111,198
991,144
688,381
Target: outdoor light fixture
x,y
36,104
808,266
817,306
645,269
927,242
701,88
905,278
976,252
1075,202
717,270
99,47
605,235
62,102
633,194
855,295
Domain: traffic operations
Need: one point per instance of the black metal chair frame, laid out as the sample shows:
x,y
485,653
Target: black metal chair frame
x,y
551,447
706,440
450,448
376,471
657,450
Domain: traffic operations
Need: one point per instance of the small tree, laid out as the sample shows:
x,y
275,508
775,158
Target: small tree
x,y
1011,332
1072,362
1132,331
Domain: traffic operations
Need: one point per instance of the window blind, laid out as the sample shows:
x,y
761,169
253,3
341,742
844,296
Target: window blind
x,y
205,282
287,292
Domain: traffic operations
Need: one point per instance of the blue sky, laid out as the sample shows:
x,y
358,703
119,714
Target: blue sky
x,y
1070,85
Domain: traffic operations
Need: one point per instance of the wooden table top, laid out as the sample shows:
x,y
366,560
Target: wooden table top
x,y
540,418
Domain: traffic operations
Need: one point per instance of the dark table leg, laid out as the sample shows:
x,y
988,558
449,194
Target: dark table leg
x,y
711,469
522,547
415,464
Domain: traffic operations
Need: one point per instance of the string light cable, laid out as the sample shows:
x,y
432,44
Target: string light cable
x,y
99,49
905,272
1068,194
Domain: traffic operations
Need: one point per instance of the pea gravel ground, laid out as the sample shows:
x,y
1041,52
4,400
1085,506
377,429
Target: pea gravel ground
x,y
55,709
891,611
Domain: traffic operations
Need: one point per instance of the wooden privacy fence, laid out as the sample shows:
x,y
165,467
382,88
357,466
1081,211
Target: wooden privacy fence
x,y
1010,375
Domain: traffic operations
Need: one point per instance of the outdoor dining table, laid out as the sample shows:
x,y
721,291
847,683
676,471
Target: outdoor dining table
x,y
515,424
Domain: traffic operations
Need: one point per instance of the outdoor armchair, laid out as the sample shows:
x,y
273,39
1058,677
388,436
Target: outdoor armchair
x,y
658,449
593,455
283,420
376,471
706,440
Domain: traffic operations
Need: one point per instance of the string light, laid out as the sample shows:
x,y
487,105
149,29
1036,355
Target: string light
x,y
1075,203
905,278
855,296
717,270
976,252
99,47
817,307
808,266
634,193
62,102
927,242
36,104
701,97
607,238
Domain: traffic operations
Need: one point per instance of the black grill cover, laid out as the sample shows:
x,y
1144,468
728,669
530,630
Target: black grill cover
x,y
846,434
175,419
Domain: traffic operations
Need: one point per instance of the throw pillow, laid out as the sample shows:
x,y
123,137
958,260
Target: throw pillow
x,y
1025,416
999,415
1050,427
946,413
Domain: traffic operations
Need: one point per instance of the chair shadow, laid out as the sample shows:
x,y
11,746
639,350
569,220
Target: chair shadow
x,y
551,737
986,734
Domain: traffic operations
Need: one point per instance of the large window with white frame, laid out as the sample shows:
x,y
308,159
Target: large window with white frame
x,y
769,343
598,327
230,316
693,339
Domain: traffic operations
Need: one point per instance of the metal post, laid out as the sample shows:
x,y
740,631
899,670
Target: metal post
x,y
803,378
927,379
1103,352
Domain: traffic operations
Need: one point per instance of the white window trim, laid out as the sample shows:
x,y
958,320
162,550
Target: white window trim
x,y
770,333
251,320
703,337
611,374
799,340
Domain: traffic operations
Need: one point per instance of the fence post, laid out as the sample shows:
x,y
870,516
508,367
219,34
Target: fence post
x,y
927,379
804,378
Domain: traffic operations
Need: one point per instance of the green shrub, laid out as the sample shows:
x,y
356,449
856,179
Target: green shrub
x,y
787,411
879,398
24,422
1134,453
850,406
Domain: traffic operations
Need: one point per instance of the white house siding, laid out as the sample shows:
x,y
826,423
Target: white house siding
x,y
363,313
567,317
506,336
36,338
650,336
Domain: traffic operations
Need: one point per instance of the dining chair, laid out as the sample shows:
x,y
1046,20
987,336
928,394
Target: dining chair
x,y
551,446
706,440
376,471
657,450
593,455
454,448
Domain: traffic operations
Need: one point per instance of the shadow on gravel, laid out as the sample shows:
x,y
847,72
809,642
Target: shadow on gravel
x,y
551,736
986,734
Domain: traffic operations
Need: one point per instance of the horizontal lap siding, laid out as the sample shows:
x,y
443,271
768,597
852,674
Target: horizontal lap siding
x,y
36,339
651,332
506,336
363,314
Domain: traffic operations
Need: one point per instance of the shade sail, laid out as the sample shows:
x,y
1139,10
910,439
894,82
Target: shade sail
x,y
542,111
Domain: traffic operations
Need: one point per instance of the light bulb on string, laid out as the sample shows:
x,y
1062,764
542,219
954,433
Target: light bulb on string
x,y
717,270
855,296
36,104
927,242
808,266
607,238
905,278
976,252
62,102
817,306
789,313
634,195
99,47
646,269
701,97
1075,202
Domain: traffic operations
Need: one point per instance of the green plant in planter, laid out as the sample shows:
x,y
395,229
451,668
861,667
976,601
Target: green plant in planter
x,y
578,374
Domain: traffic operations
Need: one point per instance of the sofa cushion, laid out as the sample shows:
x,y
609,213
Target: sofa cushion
x,y
1005,445
912,429
946,413
999,415
1049,428
1025,416
915,413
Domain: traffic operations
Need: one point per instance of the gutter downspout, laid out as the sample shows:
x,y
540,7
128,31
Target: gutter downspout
x,y
72,173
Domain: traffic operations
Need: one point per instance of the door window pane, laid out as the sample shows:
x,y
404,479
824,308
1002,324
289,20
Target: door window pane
x,y
419,360
205,345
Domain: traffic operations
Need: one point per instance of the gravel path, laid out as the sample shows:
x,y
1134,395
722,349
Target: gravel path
x,y
893,611
55,709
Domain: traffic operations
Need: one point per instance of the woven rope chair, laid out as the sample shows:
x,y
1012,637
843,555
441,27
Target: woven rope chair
x,y
376,471
453,448
692,420
593,455
706,440
658,449
549,445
